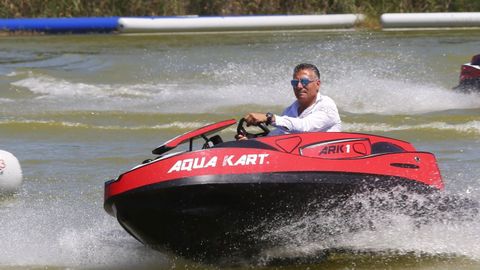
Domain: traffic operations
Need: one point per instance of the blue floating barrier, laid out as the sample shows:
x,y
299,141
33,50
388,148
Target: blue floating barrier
x,y
61,25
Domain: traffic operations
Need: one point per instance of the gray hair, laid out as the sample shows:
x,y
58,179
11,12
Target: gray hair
x,y
303,66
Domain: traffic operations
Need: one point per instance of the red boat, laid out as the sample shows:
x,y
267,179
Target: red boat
x,y
470,75
214,201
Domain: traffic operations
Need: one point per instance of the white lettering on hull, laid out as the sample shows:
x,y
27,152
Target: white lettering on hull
x,y
190,164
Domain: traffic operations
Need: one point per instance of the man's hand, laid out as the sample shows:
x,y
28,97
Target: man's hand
x,y
255,118
251,119
240,137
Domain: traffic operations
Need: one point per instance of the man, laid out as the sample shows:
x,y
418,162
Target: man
x,y
310,112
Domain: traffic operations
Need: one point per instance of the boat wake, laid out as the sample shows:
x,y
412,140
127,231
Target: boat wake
x,y
351,92
392,224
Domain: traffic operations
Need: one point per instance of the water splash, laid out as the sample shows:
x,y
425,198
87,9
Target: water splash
x,y
64,234
395,222
353,94
386,96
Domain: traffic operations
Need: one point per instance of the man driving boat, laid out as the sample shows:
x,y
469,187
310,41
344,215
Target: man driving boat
x,y
310,112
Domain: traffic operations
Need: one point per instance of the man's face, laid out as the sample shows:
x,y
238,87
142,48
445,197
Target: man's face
x,y
306,94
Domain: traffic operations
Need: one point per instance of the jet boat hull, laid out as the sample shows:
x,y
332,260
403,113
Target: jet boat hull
x,y
206,217
222,200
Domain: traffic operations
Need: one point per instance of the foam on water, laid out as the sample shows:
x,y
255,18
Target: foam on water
x,y
385,96
470,127
66,234
395,224
50,87
466,128
172,97
353,94
6,100
64,124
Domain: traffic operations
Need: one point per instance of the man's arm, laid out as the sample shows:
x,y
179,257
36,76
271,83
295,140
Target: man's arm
x,y
257,118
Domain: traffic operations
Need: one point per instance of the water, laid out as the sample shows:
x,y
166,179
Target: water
x,y
78,110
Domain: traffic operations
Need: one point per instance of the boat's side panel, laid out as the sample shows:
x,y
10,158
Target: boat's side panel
x,y
416,166
310,138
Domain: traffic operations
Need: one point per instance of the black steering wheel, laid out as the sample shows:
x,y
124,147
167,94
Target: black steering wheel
x,y
242,131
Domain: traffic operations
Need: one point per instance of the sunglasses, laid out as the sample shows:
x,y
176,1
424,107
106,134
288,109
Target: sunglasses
x,y
303,81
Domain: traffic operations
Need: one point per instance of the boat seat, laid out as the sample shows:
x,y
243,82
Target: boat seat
x,y
212,141
245,144
386,147
475,60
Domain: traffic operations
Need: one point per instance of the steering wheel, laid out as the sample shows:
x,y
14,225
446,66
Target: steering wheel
x,y
242,131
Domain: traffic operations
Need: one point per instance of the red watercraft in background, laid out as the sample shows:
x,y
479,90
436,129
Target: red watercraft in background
x,y
211,201
470,76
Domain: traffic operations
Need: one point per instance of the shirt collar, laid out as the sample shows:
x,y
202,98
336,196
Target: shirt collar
x,y
319,98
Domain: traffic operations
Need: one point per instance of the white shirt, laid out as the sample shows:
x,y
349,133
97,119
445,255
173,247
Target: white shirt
x,y
320,116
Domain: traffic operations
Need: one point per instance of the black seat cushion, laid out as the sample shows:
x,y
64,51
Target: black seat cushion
x,y
386,147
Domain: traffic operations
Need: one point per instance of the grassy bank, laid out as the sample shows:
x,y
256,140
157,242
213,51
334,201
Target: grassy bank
x,y
79,8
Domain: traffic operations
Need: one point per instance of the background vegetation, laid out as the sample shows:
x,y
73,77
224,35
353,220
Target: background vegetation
x,y
81,8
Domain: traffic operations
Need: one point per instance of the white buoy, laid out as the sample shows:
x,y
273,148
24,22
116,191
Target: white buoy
x,y
10,172
430,20
238,23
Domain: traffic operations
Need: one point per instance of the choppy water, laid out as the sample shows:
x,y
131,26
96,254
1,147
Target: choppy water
x,y
78,110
